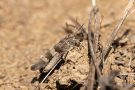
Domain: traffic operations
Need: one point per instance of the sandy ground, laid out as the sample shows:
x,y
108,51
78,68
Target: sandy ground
x,y
28,27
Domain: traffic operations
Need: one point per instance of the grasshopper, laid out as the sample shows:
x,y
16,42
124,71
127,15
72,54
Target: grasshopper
x,y
47,61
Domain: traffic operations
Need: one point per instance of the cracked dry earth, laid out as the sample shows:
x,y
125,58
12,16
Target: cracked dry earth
x,y
28,27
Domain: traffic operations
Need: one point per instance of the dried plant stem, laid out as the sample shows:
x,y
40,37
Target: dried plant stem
x,y
117,28
93,46
94,42
129,64
94,3
91,78
93,55
127,74
96,28
91,75
94,69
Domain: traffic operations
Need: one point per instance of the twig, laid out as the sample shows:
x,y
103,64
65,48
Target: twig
x,y
130,60
91,77
127,74
94,3
93,55
94,66
97,27
117,28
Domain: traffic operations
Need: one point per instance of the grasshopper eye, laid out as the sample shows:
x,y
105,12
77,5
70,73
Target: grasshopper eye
x,y
79,36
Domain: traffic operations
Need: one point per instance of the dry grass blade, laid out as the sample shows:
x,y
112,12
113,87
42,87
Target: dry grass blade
x,y
94,66
117,28
97,28
91,75
90,43
93,46
94,3
91,78
97,22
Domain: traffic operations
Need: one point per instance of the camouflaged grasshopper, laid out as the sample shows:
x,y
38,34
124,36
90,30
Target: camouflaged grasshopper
x,y
53,55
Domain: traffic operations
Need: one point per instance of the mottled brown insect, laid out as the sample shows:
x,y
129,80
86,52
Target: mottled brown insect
x,y
53,55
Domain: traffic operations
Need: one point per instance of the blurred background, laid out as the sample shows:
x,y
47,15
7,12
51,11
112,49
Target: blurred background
x,y
28,27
